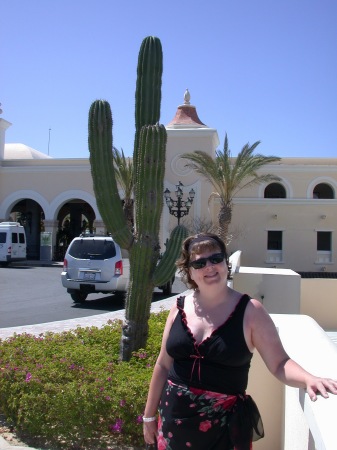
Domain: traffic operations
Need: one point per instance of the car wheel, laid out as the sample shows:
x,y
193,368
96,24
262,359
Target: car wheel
x,y
79,297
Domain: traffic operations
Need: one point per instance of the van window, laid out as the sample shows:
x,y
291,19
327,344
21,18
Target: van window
x,y
14,238
92,249
21,238
3,238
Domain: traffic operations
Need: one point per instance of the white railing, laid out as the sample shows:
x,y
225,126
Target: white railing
x,y
308,425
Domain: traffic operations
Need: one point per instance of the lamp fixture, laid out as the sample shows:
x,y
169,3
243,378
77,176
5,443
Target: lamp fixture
x,y
179,208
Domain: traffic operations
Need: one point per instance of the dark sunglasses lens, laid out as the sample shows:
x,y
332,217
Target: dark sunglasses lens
x,y
199,263
216,259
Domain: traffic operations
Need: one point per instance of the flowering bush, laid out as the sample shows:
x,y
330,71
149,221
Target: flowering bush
x,y
70,390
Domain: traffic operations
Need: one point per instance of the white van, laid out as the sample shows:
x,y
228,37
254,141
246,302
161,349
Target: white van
x,y
13,246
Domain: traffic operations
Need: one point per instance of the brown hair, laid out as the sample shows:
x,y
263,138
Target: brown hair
x,y
194,245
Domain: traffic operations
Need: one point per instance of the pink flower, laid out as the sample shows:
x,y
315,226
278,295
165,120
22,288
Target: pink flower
x,y
139,419
161,441
28,377
117,427
188,444
205,425
122,403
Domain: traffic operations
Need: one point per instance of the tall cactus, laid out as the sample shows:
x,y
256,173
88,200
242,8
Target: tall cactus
x,y
149,170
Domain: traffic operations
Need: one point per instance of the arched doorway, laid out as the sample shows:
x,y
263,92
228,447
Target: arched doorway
x,y
74,218
30,214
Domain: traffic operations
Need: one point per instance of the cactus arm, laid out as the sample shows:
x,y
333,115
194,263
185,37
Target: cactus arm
x,y
148,85
103,173
166,268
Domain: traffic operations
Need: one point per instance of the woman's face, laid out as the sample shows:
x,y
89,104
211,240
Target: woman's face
x,y
213,271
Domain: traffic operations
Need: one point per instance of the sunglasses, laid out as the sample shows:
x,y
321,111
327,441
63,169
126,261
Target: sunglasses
x,y
217,258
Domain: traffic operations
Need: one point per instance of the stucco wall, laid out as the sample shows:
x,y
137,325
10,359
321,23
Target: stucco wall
x,y
278,289
319,301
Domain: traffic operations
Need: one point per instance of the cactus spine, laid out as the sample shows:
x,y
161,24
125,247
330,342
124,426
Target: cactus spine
x,y
149,170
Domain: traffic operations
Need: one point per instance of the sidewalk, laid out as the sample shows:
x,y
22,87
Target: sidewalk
x,y
4,445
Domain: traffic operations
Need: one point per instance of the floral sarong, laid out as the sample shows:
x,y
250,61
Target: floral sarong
x,y
199,419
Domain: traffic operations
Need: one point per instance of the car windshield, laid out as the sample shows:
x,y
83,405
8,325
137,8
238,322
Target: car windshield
x,y
92,249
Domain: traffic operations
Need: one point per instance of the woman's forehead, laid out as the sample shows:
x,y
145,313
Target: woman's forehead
x,y
200,247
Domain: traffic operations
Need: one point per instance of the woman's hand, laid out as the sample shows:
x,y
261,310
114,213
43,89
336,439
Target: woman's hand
x,y
150,431
316,385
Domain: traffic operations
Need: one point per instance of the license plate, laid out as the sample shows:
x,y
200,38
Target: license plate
x,y
89,275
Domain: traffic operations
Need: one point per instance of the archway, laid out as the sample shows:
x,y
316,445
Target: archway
x,y
30,214
74,218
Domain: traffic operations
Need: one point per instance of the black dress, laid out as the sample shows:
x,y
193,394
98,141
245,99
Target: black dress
x,y
203,404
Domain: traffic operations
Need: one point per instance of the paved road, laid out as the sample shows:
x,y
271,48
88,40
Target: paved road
x,y
32,295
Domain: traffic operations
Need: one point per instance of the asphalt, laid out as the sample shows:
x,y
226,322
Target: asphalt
x,y
65,325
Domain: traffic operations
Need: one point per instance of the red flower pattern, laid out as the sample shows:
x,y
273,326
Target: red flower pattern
x,y
205,425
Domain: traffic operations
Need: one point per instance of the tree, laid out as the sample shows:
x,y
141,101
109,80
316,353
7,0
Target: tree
x,y
230,175
124,177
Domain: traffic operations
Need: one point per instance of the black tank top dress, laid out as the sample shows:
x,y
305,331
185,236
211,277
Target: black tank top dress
x,y
203,404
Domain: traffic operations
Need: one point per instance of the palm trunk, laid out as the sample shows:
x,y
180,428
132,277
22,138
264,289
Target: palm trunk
x,y
224,219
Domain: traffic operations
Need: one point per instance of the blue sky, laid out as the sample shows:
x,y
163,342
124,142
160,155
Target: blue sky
x,y
256,70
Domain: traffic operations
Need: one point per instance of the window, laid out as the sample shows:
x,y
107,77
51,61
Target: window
x,y
323,190
274,247
274,240
324,240
275,190
95,249
3,237
21,238
14,238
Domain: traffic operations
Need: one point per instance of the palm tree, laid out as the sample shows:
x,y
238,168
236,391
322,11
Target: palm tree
x,y
124,176
229,175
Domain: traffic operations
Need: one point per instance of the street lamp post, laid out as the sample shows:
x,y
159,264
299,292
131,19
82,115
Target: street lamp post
x,y
179,208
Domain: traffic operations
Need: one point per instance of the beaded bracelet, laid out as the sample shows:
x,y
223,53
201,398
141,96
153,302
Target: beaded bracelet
x,y
149,419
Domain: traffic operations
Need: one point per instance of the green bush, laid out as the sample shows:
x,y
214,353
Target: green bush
x,y
70,390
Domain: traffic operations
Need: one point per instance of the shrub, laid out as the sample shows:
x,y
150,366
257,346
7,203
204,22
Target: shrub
x,y
70,390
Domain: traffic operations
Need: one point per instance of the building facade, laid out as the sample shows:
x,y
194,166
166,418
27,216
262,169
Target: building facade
x,y
285,224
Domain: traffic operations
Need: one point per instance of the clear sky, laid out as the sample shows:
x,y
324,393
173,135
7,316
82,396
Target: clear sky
x,y
256,70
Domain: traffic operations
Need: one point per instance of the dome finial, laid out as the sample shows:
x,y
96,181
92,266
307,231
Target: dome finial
x,y
187,97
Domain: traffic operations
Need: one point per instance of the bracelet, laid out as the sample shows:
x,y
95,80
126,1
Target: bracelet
x,y
149,419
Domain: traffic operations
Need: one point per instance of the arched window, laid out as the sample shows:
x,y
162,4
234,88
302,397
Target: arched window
x,y
275,190
323,190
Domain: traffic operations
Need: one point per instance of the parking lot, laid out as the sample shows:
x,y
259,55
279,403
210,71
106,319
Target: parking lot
x,y
33,295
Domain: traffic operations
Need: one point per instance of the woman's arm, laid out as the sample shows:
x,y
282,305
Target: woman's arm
x,y
159,377
262,335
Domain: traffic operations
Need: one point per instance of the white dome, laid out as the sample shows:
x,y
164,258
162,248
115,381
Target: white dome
x,y
22,151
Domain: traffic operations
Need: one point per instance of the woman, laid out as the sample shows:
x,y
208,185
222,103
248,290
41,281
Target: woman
x,y
201,374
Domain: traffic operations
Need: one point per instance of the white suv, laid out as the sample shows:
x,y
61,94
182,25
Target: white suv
x,y
94,264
